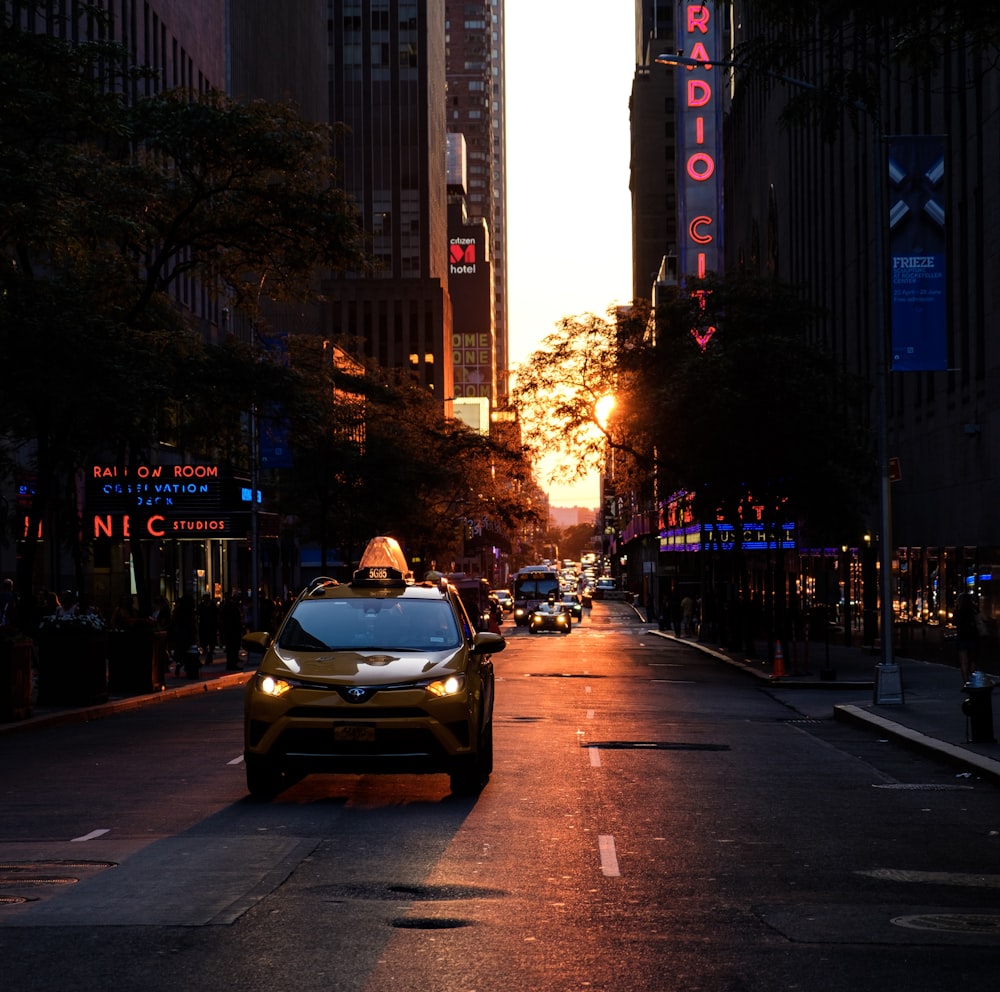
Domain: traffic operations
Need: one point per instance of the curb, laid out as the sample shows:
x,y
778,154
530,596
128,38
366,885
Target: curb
x,y
781,682
954,754
125,704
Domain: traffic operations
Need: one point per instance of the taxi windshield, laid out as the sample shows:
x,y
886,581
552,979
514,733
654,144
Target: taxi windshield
x,y
370,624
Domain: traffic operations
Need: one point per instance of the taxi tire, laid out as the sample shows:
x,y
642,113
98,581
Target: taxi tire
x,y
470,774
264,778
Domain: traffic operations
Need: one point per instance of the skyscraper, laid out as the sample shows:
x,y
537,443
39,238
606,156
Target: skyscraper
x,y
475,109
387,91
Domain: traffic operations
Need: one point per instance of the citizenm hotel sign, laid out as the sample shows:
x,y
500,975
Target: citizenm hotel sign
x,y
699,147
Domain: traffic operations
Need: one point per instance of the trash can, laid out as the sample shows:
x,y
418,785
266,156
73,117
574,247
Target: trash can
x,y
978,709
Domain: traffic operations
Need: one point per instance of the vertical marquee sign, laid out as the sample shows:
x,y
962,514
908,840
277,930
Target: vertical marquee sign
x,y
699,158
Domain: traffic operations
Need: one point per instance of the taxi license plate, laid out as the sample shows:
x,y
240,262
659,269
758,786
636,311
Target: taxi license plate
x,y
354,732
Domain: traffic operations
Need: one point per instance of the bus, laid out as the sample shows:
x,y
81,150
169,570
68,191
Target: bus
x,y
530,588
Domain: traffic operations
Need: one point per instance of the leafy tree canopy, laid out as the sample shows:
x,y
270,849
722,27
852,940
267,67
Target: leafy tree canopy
x,y
845,47
759,411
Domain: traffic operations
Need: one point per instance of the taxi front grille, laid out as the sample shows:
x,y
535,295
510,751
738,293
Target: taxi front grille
x,y
367,713
303,743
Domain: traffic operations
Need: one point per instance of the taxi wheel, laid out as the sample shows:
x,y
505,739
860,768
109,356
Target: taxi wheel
x,y
470,775
264,777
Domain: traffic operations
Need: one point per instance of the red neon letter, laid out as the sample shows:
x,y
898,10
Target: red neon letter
x,y
698,16
695,232
700,53
699,93
706,162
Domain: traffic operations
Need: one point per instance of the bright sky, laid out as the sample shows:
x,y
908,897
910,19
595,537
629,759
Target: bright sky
x,y
569,71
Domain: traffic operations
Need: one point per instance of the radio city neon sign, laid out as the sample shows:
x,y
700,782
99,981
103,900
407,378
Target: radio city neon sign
x,y
699,130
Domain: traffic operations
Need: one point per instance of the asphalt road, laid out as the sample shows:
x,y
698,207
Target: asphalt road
x,y
656,821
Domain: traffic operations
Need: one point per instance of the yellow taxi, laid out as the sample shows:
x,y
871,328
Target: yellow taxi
x,y
380,674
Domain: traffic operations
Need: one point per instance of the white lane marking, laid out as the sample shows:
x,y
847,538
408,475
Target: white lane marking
x,y
609,859
595,757
587,689
236,761
91,836
590,714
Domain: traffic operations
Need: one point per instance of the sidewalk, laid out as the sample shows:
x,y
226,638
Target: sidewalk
x,y
929,716
212,678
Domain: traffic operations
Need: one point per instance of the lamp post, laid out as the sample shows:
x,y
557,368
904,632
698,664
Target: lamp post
x,y
887,682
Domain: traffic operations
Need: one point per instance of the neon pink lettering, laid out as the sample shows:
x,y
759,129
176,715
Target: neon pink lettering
x,y
698,17
700,166
699,93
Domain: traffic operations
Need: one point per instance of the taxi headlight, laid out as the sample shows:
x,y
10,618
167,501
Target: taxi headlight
x,y
270,686
447,687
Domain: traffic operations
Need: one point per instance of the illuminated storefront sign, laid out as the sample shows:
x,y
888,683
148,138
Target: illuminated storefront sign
x,y
699,174
190,502
680,530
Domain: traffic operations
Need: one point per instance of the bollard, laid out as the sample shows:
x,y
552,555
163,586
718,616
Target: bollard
x,y
978,708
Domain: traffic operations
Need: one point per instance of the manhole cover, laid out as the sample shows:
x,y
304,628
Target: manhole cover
x,y
562,675
653,746
400,892
430,923
951,922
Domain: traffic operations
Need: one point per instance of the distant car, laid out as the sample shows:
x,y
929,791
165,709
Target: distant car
x,y
380,674
572,602
603,587
505,598
550,616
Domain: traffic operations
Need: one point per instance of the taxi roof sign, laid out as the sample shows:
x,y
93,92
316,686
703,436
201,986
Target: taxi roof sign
x,y
384,551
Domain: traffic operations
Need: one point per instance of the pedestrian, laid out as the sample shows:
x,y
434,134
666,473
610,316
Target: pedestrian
x,y
966,621
8,604
67,605
183,635
125,613
231,631
687,616
676,613
208,626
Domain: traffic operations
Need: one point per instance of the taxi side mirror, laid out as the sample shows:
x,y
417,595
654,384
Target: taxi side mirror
x,y
257,642
486,642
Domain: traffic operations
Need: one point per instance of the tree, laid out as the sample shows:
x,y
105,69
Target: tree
x,y
846,48
560,391
761,410
373,455
106,206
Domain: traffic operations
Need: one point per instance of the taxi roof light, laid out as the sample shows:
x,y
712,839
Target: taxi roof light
x,y
383,563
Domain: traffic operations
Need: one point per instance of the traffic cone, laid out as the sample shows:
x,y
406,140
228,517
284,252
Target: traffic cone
x,y
778,671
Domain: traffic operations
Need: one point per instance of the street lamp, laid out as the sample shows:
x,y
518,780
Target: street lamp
x,y
887,682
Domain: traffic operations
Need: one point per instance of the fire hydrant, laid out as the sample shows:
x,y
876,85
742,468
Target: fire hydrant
x,y
978,708
192,662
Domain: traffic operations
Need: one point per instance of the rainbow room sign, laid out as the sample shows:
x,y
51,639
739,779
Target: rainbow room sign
x,y
190,502
699,129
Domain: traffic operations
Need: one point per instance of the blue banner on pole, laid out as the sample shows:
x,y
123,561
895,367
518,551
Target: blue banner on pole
x,y
917,253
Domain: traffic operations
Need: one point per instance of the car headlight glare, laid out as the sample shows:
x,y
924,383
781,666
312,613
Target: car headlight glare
x,y
447,687
270,686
